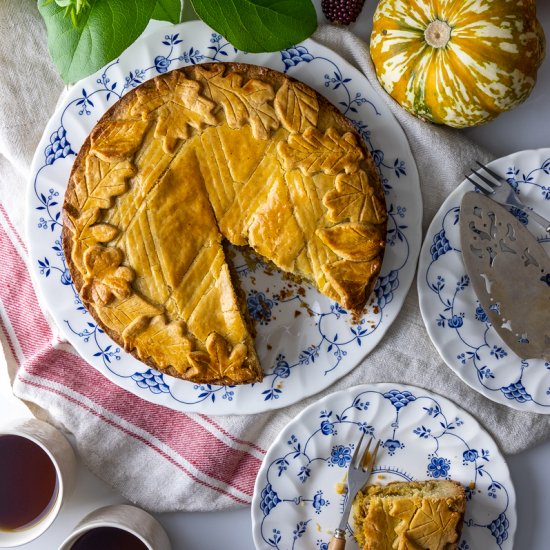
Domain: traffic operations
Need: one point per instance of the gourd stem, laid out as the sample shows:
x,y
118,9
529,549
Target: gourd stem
x,y
438,33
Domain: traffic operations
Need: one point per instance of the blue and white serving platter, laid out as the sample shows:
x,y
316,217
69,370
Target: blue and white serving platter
x,y
456,323
305,341
298,499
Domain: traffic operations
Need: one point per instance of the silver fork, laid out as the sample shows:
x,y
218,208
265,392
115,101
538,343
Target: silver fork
x,y
504,194
358,474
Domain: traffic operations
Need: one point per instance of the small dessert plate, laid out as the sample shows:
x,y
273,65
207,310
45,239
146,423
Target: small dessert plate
x,y
299,494
456,322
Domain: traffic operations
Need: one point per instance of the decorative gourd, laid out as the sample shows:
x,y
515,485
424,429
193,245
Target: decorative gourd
x,y
457,62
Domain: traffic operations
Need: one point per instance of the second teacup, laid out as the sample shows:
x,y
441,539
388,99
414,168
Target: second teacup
x,y
115,527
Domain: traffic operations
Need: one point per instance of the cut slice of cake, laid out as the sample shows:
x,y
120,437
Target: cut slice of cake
x,y
417,515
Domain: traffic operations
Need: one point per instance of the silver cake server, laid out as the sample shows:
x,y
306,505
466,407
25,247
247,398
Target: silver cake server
x,y
510,274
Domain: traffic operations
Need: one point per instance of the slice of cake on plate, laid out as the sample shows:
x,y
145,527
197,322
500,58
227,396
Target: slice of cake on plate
x,y
416,515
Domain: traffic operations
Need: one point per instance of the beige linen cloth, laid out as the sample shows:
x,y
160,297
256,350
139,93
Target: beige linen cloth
x,y
158,458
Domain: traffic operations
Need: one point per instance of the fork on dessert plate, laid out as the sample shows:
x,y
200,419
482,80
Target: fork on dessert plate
x,y
497,188
359,471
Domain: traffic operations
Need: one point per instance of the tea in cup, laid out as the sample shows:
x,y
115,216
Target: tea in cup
x,y
37,470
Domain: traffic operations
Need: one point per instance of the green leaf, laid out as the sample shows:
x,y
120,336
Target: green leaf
x,y
102,33
167,10
259,25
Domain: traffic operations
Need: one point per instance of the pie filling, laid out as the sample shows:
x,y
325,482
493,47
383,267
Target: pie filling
x,y
206,155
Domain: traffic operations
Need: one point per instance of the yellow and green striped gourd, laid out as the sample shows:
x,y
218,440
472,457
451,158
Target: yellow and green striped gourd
x,y
457,62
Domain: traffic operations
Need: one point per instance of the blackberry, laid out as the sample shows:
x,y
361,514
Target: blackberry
x,y
343,12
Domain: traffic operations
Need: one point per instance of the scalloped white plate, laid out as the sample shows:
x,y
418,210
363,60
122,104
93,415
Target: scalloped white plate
x,y
325,344
297,502
455,321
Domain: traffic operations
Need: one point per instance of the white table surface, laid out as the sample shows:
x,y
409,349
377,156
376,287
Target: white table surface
x,y
527,127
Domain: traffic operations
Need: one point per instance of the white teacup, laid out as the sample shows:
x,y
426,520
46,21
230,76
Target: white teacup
x,y
122,516
62,457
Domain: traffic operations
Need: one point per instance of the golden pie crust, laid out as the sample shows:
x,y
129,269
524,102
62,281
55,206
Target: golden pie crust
x,y
417,515
198,157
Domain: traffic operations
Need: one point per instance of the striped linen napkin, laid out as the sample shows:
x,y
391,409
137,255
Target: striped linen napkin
x,y
161,459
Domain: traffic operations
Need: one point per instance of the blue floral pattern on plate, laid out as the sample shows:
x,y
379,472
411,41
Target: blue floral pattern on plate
x,y
326,343
456,323
300,489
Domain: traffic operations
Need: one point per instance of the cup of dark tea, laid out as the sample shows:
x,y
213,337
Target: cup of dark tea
x,y
37,472
117,527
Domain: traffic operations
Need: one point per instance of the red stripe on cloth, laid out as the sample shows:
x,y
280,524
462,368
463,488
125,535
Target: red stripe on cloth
x,y
135,436
231,436
11,226
19,299
177,430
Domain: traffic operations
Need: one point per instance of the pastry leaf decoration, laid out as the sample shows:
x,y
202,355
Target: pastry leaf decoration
x,y
177,106
104,180
314,152
99,233
90,235
118,139
431,526
166,342
296,106
354,199
248,103
79,223
87,233
353,241
351,280
218,363
104,277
